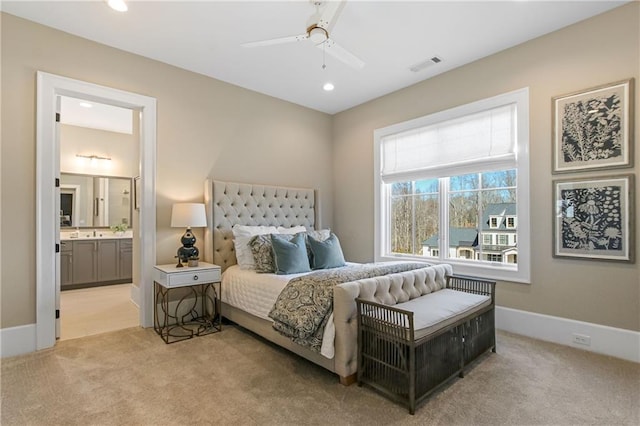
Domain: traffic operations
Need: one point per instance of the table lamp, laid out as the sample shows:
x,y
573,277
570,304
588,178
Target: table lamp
x,y
188,215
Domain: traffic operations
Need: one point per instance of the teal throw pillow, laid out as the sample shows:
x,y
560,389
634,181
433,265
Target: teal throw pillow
x,y
290,257
326,254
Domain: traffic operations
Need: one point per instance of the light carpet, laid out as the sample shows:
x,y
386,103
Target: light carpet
x,y
130,377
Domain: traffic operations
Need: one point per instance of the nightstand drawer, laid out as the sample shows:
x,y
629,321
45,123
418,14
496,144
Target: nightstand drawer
x,y
179,279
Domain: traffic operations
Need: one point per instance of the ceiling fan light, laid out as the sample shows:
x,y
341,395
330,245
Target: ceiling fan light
x,y
118,5
328,87
318,35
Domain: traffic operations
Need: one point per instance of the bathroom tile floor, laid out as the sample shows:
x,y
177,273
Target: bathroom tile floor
x,y
89,311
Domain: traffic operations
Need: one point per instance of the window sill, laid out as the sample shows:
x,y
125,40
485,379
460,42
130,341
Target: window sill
x,y
495,271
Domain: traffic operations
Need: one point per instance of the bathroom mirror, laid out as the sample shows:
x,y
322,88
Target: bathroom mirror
x,y
94,201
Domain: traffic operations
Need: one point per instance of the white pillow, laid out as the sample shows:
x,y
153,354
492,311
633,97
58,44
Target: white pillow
x,y
292,230
320,234
242,234
251,230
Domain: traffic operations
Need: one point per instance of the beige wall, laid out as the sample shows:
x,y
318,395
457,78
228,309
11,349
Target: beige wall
x,y
122,148
601,50
205,128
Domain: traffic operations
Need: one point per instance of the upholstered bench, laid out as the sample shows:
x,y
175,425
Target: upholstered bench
x,y
416,332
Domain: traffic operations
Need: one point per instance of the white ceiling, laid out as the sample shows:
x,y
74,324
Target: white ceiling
x,y
79,112
390,37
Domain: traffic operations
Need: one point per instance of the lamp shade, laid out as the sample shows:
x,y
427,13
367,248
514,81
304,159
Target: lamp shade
x,y
190,215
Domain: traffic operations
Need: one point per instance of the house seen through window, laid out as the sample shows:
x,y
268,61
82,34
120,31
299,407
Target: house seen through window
x,y
453,187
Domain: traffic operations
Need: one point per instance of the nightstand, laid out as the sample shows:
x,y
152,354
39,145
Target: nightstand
x,y
186,302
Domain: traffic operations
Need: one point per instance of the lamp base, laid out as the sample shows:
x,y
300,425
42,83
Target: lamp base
x,y
188,251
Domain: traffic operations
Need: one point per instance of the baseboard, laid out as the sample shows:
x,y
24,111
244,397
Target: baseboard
x,y
135,295
616,342
17,340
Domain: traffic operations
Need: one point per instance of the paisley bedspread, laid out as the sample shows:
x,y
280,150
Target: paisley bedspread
x,y
306,303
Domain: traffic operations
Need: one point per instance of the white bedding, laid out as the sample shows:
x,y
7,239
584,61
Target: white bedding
x,y
257,293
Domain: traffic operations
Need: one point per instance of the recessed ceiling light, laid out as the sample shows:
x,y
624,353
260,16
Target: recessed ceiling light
x,y
85,105
328,87
118,5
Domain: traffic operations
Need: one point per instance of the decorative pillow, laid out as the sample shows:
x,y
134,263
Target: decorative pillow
x,y
293,230
290,256
318,234
326,254
262,251
242,234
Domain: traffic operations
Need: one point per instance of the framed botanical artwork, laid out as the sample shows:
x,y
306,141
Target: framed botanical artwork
x,y
593,129
594,219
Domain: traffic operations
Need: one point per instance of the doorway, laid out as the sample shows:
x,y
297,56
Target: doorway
x,y
99,148
49,90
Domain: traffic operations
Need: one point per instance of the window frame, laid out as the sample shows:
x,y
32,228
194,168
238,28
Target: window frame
x,y
520,272
493,219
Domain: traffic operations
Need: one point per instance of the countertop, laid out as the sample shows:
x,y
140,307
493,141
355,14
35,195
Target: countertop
x,y
99,235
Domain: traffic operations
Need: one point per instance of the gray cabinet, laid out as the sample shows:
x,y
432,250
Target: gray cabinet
x,y
108,260
88,263
85,261
126,260
66,263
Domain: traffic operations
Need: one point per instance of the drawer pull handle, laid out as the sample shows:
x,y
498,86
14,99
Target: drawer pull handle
x,y
195,278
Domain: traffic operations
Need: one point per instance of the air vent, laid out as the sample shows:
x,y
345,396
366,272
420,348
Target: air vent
x,y
424,64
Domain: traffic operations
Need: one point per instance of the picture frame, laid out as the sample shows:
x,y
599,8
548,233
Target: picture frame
x,y
593,128
594,218
136,192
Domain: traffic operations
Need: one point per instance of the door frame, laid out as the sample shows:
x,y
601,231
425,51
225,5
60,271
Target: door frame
x,y
49,88
76,190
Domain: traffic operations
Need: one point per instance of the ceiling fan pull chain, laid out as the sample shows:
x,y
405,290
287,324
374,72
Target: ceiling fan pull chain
x,y
324,48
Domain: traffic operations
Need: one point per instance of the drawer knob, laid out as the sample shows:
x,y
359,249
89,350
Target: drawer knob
x,y
195,278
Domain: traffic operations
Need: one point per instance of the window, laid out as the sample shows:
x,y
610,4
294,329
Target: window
x,y
465,254
445,181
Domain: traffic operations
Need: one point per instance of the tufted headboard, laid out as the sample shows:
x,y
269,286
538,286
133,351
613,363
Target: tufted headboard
x,y
230,203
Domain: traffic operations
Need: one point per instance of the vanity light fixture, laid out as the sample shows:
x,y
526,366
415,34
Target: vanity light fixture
x,y
93,157
328,87
118,5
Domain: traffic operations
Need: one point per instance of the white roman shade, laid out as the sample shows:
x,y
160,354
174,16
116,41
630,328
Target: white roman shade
x,y
476,142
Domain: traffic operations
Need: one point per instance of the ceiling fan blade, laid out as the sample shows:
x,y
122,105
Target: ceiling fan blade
x,y
339,52
330,14
280,40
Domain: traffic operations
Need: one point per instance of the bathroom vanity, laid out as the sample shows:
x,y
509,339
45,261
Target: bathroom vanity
x,y
89,261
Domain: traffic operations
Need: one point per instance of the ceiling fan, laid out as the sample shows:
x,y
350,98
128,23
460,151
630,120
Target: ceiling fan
x,y
318,29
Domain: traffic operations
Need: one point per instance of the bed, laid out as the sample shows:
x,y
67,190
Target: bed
x,y
246,296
